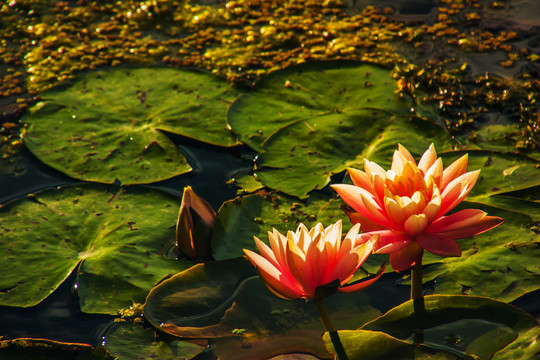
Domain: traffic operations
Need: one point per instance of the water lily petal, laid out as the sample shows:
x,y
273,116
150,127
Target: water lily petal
x,y
399,161
363,284
360,178
427,159
432,208
266,252
407,257
395,213
390,241
273,278
416,224
278,245
436,171
457,190
464,223
373,168
366,224
456,169
362,201
300,268
346,266
360,253
378,187
438,244
406,154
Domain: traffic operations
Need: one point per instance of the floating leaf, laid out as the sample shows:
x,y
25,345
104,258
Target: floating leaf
x,y
226,304
110,125
500,172
308,91
375,345
128,341
299,159
240,219
465,325
502,263
116,237
41,349
314,120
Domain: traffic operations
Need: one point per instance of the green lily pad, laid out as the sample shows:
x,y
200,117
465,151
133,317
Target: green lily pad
x,y
110,125
500,172
501,263
240,219
314,120
465,325
41,349
376,345
116,238
308,91
298,160
129,341
225,303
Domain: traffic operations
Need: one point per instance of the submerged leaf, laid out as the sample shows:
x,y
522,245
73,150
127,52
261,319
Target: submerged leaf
x,y
226,304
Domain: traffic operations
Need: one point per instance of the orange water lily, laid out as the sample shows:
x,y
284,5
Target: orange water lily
x,y
304,263
407,206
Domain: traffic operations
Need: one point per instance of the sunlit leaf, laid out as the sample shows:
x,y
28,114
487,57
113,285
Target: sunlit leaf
x,y
240,219
375,345
461,324
501,263
111,125
308,91
118,237
314,120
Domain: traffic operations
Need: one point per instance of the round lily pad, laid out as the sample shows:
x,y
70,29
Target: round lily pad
x,y
117,239
308,91
303,156
112,124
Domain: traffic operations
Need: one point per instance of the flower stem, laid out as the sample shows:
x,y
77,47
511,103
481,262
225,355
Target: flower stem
x,y
329,326
416,281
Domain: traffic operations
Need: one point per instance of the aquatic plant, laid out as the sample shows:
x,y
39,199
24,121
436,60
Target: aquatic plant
x,y
407,206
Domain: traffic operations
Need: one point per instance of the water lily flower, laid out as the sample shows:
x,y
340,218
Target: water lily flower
x,y
407,206
312,263
195,225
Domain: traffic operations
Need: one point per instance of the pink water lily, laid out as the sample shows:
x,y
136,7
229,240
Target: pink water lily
x,y
297,265
407,206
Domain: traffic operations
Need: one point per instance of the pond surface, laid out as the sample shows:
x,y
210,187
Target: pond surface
x,y
472,68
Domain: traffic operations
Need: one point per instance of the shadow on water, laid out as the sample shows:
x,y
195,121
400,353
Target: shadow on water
x,y
213,166
57,318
